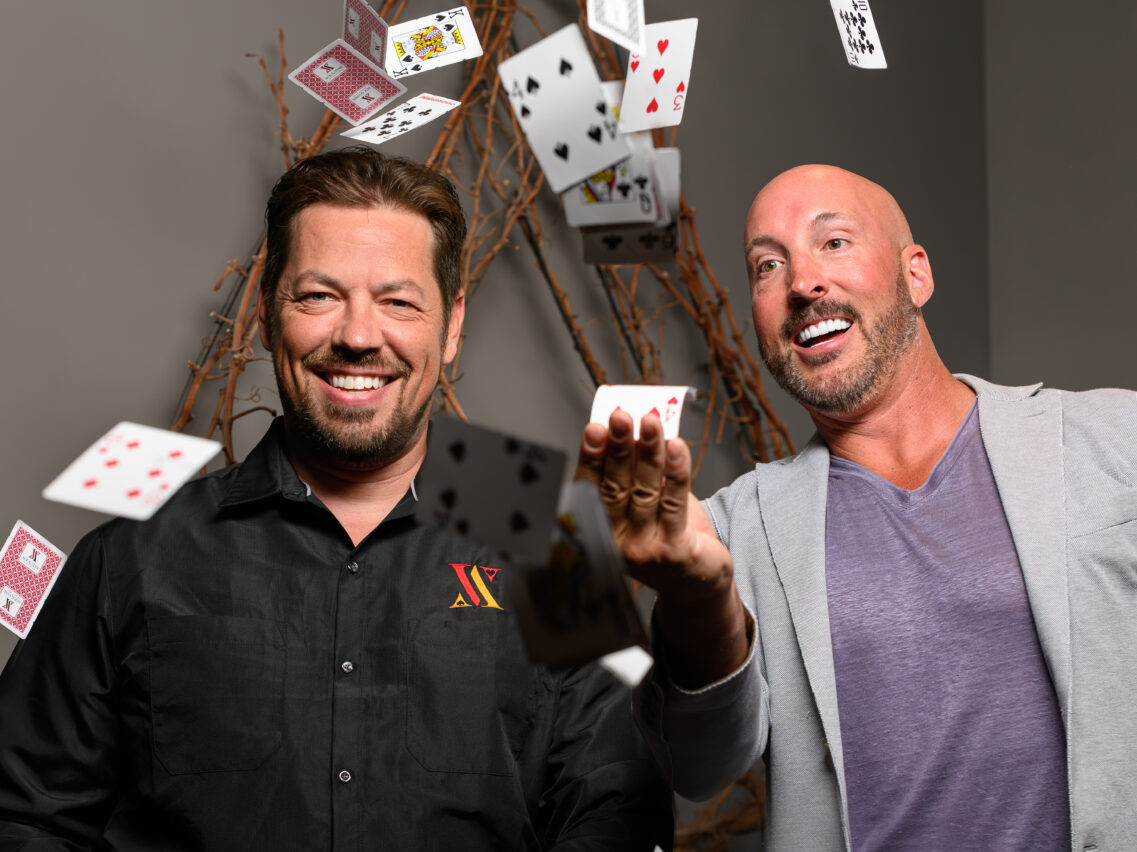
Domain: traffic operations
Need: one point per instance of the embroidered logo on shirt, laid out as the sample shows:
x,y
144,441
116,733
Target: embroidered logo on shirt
x,y
475,591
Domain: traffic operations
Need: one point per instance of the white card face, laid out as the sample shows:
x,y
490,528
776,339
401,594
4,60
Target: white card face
x,y
419,110
858,33
343,79
620,21
431,42
666,401
364,30
555,92
131,471
654,242
625,192
655,88
29,566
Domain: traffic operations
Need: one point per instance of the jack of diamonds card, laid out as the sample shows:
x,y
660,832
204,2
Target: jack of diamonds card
x,y
431,42
556,94
344,80
29,565
364,30
655,89
131,471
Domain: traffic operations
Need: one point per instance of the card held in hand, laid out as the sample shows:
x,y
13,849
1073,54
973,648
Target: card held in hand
x,y
580,606
496,489
131,471
664,401
342,78
29,566
857,29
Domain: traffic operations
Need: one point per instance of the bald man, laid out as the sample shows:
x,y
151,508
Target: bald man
x,y
924,622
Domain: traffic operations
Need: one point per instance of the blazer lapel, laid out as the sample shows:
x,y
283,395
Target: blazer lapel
x,y
1023,439
792,497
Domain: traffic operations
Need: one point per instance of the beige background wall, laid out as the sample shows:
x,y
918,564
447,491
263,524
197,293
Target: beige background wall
x,y
136,158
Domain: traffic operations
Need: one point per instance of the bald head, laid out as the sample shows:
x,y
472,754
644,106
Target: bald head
x,y
834,190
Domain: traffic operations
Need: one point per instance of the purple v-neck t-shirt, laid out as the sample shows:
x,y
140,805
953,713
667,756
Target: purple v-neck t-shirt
x,y
950,727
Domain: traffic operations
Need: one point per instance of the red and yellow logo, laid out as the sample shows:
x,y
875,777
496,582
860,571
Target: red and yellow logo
x,y
475,588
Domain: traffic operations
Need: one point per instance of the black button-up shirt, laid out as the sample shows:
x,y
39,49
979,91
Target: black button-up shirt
x,y
234,674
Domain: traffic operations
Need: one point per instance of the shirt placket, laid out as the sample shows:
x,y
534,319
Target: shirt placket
x,y
348,757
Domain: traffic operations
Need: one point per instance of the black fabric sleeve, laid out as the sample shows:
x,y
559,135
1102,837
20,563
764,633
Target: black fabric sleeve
x,y
603,789
59,719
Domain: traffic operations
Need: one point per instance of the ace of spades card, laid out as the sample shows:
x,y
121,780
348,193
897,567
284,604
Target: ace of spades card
x,y
494,488
857,29
555,92
131,471
581,604
655,88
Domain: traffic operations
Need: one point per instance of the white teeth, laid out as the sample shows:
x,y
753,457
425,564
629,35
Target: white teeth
x,y
819,328
357,382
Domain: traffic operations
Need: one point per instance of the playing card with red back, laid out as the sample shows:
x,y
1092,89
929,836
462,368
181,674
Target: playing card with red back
x,y
29,564
364,30
131,471
655,89
343,79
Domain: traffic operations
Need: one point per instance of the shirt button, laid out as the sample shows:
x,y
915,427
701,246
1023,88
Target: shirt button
x,y
344,776
353,567
347,666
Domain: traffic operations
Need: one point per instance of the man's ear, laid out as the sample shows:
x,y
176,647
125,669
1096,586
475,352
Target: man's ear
x,y
917,270
454,328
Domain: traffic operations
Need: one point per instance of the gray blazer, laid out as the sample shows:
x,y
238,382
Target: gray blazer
x,y
1065,465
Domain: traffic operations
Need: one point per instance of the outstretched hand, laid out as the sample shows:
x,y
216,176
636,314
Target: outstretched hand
x,y
668,544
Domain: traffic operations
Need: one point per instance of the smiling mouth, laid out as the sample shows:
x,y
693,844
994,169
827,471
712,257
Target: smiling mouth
x,y
356,383
821,331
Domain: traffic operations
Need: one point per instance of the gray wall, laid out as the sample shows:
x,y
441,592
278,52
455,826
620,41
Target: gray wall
x,y
1061,142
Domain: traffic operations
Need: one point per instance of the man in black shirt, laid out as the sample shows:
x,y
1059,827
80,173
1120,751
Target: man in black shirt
x,y
283,658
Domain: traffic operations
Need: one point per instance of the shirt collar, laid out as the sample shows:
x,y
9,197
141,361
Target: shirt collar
x,y
267,472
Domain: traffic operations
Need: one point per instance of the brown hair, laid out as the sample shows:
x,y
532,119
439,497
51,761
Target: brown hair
x,y
362,177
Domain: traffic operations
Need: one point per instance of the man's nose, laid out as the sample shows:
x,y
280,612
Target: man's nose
x,y
359,328
807,281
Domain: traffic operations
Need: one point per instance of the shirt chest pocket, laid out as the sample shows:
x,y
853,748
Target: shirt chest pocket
x,y
469,696
216,692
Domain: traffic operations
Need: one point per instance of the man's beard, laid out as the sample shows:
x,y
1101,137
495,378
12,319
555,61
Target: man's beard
x,y
885,341
343,436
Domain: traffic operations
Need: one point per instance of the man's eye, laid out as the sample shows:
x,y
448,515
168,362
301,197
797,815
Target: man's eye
x,y
315,297
835,243
768,266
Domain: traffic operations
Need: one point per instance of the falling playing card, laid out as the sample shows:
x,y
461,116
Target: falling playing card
x,y
555,92
642,243
495,488
621,21
655,88
580,605
431,42
665,401
343,79
625,192
858,33
131,471
364,30
416,112
29,564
